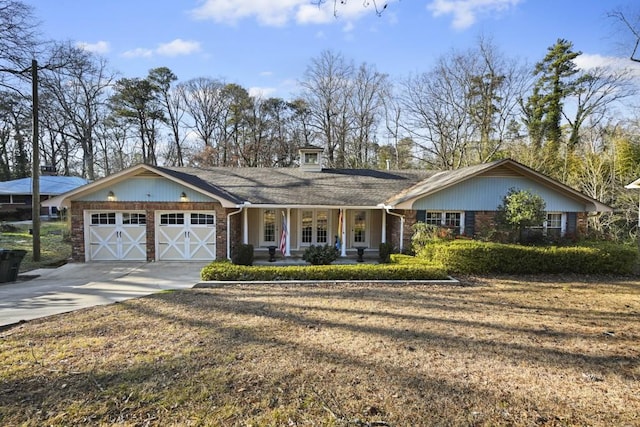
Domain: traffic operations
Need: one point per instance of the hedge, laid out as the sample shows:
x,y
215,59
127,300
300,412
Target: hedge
x,y
474,257
226,271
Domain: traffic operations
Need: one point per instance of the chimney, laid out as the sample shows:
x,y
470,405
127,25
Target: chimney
x,y
48,171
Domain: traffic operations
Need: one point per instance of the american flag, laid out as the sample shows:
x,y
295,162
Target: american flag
x,y
283,236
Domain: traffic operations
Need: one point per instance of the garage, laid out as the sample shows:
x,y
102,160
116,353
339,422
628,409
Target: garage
x,y
116,236
185,236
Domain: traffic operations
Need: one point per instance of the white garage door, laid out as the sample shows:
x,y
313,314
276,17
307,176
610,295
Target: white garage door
x,y
114,236
186,236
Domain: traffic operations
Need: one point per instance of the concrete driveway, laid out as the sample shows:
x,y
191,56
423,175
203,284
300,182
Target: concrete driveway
x,y
79,285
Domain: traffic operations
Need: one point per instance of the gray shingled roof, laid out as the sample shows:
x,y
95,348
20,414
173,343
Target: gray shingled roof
x,y
282,186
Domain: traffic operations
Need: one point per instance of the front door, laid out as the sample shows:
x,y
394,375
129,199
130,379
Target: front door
x,y
359,233
314,227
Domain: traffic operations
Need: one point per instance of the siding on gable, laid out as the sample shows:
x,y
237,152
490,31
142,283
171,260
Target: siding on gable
x,y
147,189
486,193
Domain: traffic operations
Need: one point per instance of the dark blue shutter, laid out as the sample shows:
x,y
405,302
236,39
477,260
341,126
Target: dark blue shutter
x,y
572,223
469,223
421,216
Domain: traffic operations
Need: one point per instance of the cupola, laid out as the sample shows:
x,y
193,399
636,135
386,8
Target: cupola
x,y
311,158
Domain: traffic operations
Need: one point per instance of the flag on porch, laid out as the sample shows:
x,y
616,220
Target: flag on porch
x,y
283,236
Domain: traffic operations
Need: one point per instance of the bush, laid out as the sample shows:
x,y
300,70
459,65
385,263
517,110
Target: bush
x,y
243,255
385,251
473,257
320,255
226,271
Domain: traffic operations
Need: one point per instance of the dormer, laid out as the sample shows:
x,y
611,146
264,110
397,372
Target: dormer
x,y
311,158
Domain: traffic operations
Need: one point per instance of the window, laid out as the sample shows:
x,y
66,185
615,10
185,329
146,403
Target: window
x,y
172,219
433,218
314,227
553,226
359,227
134,218
322,225
269,225
307,226
311,158
106,218
452,220
201,219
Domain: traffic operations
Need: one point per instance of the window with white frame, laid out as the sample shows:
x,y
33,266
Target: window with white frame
x,y
269,226
453,220
553,225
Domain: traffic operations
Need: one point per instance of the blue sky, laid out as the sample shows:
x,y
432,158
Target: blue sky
x,y
266,45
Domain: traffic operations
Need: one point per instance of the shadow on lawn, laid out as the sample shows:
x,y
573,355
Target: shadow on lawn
x,y
219,348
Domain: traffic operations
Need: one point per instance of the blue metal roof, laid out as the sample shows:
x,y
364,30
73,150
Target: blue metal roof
x,y
51,185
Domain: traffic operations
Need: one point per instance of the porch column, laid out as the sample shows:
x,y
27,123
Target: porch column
x,y
245,226
288,235
343,233
383,239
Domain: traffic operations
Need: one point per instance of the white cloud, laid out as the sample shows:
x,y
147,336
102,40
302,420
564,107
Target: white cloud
x,y
138,53
588,61
178,47
261,92
279,12
173,48
97,47
465,12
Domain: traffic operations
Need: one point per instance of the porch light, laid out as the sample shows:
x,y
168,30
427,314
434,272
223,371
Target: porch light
x,y
183,197
111,197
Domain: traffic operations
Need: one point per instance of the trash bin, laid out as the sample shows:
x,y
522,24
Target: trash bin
x,y
10,264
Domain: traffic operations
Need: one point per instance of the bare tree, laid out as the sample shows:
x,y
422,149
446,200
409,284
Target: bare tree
x,y
366,104
436,112
80,94
630,23
18,41
326,91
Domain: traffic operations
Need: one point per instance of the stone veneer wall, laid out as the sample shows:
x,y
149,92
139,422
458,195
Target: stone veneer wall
x,y
150,208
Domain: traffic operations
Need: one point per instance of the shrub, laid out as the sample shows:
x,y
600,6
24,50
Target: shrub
x,y
385,251
320,255
473,257
226,271
243,254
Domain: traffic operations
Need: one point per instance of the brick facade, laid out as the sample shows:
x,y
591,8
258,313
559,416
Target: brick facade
x,y
150,208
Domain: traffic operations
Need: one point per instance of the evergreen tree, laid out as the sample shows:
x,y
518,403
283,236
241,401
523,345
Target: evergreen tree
x,y
543,110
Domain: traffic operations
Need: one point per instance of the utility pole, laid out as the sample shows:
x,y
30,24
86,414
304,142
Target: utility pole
x,y
35,165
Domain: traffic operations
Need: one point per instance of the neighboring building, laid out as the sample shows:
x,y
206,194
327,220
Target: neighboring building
x,y
15,195
159,213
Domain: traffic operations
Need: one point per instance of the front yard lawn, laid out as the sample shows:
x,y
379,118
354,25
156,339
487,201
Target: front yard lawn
x,y
498,351
54,250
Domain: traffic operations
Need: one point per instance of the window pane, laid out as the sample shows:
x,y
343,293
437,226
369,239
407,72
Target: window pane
x,y
269,223
452,219
322,222
307,226
554,220
172,219
201,219
134,218
103,218
359,227
433,218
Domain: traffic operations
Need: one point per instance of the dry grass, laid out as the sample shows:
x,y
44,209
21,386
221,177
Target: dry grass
x,y
501,351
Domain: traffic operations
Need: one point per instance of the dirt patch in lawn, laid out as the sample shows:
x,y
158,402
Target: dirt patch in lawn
x,y
499,351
